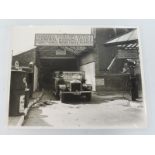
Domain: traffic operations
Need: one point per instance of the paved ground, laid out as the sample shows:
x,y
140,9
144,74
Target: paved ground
x,y
101,112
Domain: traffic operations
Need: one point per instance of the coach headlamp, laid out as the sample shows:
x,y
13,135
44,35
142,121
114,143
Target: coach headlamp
x,y
62,87
89,87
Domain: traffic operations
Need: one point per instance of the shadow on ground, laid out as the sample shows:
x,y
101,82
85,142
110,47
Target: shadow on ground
x,y
36,118
97,98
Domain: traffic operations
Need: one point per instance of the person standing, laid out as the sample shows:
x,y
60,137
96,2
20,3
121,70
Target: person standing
x,y
59,81
129,67
133,81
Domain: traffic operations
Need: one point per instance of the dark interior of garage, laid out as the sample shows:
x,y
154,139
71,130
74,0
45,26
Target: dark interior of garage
x,y
49,66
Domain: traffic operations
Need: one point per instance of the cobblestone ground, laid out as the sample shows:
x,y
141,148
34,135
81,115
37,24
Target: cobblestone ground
x,y
101,112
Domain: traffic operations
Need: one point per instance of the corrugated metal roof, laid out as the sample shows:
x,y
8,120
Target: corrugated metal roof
x,y
130,37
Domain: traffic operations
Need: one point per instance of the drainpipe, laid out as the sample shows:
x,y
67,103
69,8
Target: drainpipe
x,y
112,62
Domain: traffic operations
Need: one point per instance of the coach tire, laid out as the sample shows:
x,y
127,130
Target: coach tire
x,y
88,97
62,97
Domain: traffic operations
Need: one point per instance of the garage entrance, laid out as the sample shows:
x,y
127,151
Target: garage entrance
x,y
59,52
49,66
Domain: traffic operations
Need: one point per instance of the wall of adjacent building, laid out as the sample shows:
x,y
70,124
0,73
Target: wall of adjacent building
x,y
104,56
87,63
25,58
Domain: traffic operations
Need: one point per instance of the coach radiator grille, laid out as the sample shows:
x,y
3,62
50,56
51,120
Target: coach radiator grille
x,y
75,86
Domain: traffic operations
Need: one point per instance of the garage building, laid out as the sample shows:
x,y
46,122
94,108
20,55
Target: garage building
x,y
88,54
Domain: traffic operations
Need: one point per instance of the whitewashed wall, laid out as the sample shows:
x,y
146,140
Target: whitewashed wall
x,y
89,70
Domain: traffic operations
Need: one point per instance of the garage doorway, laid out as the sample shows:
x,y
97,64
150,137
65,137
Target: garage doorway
x,y
49,66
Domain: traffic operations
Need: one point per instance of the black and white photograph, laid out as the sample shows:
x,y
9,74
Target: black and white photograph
x,y
76,77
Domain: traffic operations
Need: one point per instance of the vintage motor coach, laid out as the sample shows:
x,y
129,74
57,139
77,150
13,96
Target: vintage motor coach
x,y
69,83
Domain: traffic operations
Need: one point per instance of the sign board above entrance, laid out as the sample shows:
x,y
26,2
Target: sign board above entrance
x,y
60,52
64,40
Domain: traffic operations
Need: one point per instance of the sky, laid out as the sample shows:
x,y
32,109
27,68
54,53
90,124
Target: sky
x,y
22,37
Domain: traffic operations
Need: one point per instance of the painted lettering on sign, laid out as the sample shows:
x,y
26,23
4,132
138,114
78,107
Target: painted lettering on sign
x,y
127,54
60,52
64,40
100,82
